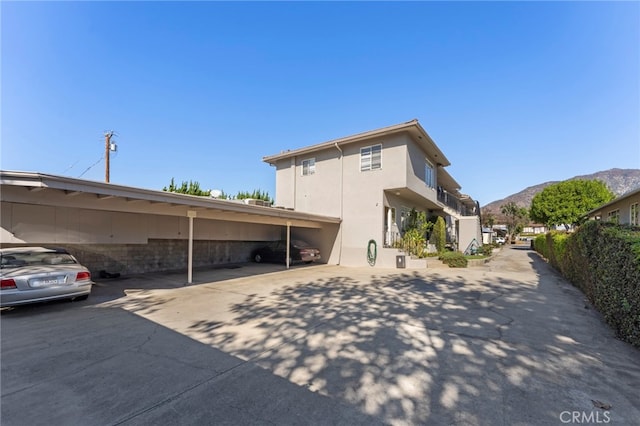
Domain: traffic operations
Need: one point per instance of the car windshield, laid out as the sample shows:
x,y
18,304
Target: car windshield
x,y
28,258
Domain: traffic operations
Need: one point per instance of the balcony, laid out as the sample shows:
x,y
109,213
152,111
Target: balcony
x,y
454,203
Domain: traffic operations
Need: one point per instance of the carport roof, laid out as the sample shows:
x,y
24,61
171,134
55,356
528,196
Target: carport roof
x,y
40,188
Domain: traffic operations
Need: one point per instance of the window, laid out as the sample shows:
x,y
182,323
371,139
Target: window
x,y
429,177
308,166
635,214
614,216
371,158
404,218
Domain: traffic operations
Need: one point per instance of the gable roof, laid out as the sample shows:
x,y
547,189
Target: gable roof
x,y
415,130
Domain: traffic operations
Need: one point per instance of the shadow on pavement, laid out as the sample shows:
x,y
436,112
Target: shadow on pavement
x,y
123,369
108,289
509,343
415,348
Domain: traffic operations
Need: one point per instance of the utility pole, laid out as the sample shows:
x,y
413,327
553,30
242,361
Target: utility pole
x,y
107,141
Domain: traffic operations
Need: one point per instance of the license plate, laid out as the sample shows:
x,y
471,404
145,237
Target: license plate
x,y
44,282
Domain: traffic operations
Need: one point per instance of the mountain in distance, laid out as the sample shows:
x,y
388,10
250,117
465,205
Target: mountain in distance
x,y
619,182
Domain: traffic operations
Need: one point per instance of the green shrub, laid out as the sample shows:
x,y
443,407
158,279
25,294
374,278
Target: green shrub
x,y
556,245
540,245
413,241
487,249
454,259
439,234
603,260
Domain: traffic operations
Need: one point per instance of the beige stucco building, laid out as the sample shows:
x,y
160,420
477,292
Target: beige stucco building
x,y
372,181
337,195
624,209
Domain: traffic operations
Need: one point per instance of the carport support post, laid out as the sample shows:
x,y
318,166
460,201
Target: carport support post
x,y
190,214
288,242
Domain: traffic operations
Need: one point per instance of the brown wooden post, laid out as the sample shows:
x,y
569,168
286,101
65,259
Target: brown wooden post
x,y
107,141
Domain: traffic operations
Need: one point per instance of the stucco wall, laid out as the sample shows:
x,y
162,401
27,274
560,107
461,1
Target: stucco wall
x,y
469,228
30,223
137,242
339,188
624,207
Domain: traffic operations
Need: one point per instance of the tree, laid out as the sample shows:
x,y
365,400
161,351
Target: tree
x,y
566,203
488,218
190,188
439,234
193,188
257,194
516,217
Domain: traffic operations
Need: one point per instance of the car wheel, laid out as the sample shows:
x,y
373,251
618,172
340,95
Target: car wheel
x,y
257,258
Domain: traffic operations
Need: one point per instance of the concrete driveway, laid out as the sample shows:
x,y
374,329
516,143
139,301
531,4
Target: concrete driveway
x,y
508,343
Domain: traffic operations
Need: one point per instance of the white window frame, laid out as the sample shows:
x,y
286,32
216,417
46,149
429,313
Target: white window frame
x,y
614,216
368,157
308,166
634,213
429,174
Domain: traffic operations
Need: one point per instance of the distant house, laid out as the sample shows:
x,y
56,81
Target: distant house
x,y
624,209
488,235
534,228
373,181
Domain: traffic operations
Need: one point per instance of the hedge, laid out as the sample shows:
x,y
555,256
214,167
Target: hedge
x,y
603,260
454,259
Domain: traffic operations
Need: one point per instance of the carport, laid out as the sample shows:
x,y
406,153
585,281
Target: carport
x,y
40,208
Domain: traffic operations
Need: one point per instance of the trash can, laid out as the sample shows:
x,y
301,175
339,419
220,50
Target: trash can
x,y
400,262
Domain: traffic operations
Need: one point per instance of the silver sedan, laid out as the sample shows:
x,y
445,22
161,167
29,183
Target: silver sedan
x,y
38,274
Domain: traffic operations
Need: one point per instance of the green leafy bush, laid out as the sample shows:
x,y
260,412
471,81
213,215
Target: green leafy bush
x,y
439,234
603,260
454,259
556,246
414,243
487,249
413,240
540,245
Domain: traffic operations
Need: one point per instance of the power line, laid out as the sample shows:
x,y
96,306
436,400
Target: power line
x,y
91,166
70,167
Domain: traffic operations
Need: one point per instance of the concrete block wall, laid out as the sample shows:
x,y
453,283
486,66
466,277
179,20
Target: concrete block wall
x,y
157,255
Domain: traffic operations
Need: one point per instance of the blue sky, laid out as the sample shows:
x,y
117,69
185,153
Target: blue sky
x,y
515,94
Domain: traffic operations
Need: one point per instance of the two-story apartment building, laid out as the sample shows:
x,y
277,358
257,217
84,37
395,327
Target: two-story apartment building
x,y
372,181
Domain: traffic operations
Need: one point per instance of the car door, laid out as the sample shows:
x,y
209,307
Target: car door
x,y
267,252
280,252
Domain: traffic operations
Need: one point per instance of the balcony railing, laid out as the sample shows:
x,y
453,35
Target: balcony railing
x,y
392,239
454,203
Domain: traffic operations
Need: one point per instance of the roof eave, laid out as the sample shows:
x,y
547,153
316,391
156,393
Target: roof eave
x,y
408,126
44,181
614,201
